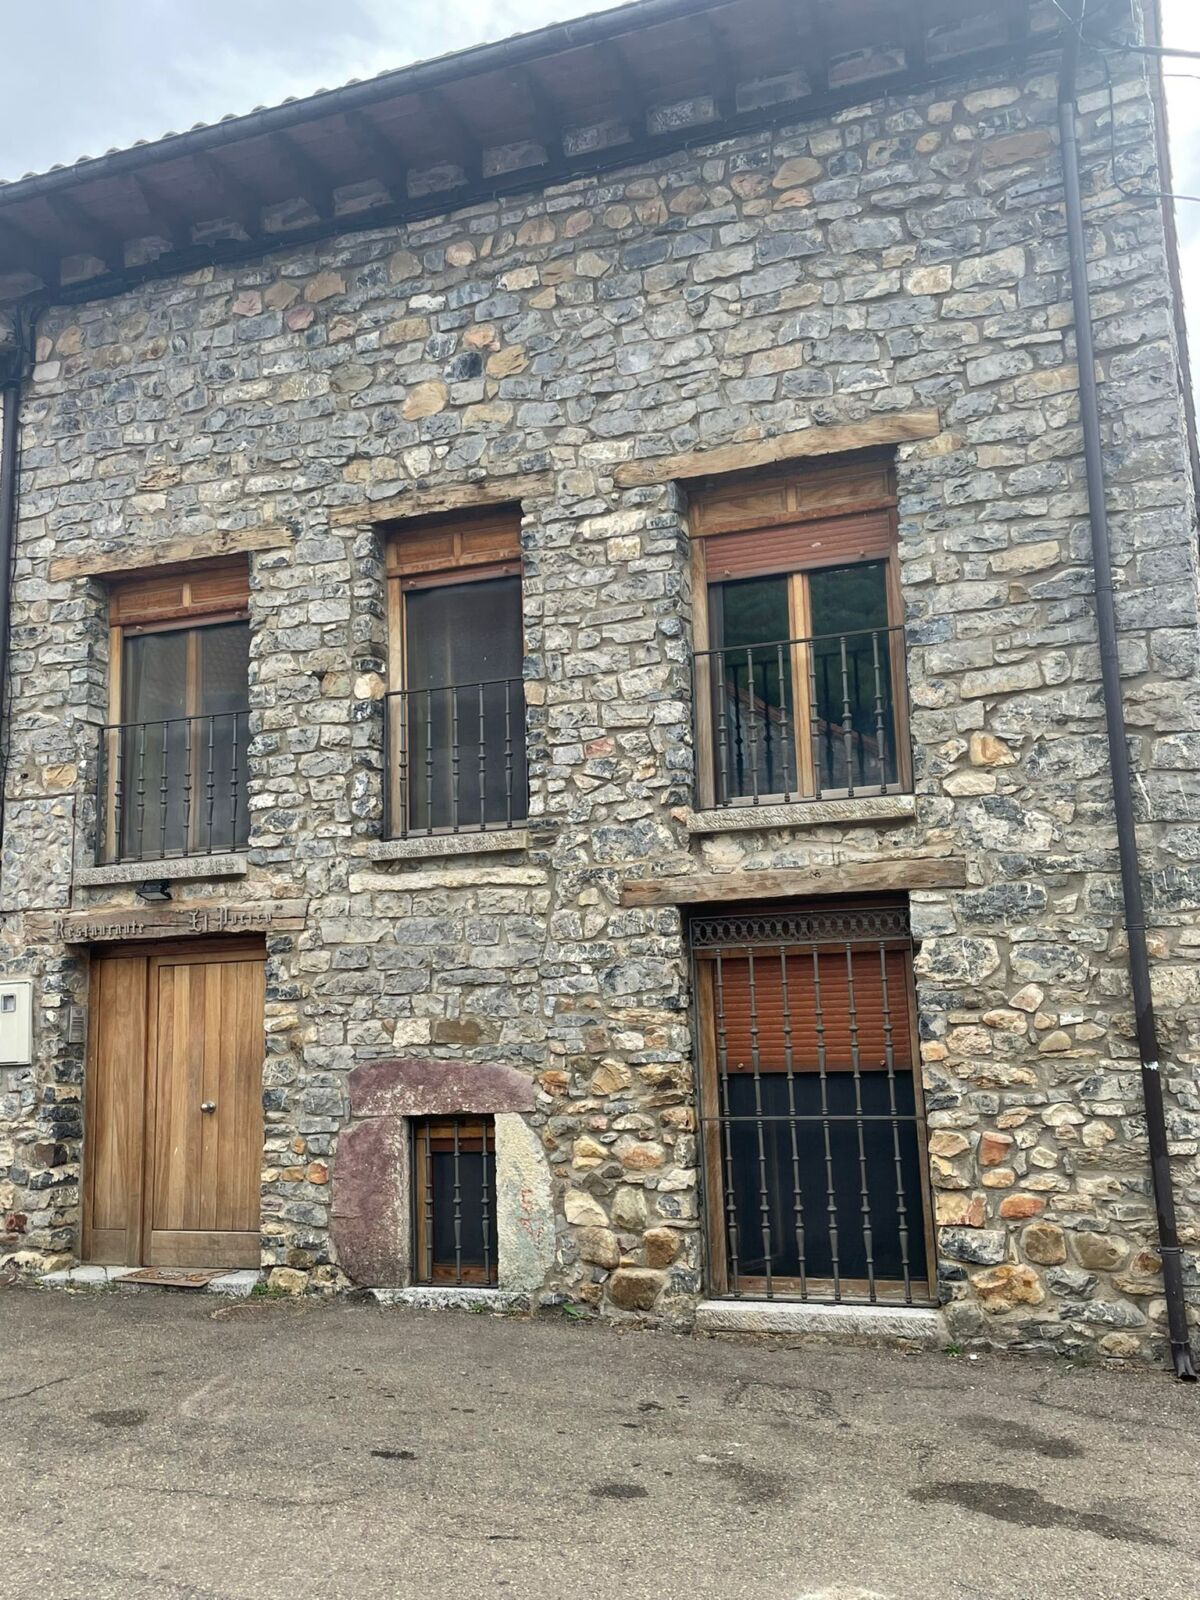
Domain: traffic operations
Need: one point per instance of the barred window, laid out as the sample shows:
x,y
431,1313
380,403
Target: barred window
x,y
454,1192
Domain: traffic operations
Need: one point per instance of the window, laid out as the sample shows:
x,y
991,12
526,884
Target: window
x,y
799,679
456,714
811,1111
454,1189
173,755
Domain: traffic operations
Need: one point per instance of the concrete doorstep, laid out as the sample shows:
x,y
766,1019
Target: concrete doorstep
x,y
238,1284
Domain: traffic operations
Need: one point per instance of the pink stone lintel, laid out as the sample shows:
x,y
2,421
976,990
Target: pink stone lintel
x,y
409,1088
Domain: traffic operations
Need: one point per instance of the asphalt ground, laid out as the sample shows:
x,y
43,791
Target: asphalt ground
x,y
160,1444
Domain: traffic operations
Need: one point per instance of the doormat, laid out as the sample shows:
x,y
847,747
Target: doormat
x,y
172,1277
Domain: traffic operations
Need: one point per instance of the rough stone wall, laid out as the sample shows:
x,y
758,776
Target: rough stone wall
x,y
909,253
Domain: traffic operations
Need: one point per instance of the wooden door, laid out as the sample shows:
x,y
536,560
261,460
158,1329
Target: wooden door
x,y
174,1108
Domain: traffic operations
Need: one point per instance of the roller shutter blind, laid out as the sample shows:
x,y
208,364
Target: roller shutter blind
x,y
881,998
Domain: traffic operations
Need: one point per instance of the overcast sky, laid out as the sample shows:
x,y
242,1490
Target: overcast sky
x,y
86,75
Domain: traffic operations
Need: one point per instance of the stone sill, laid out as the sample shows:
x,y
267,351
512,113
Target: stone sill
x,y
802,814
431,1298
911,1324
430,847
174,870
238,1283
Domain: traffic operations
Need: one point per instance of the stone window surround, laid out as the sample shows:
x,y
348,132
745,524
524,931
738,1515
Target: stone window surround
x,y
175,869
371,1219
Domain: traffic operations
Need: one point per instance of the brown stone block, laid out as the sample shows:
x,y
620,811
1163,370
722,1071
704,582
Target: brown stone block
x,y
1001,1288
661,1246
635,1288
1044,1243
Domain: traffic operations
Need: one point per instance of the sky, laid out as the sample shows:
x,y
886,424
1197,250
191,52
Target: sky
x,y
134,69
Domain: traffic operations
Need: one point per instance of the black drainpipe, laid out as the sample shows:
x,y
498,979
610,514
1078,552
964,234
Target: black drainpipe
x,y
12,371
1114,713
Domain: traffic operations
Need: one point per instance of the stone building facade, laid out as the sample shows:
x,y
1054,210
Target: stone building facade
x,y
886,285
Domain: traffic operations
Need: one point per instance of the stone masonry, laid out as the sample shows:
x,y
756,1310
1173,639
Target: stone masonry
x,y
910,253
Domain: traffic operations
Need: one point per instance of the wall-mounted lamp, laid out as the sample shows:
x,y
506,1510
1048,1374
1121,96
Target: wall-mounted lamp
x,y
155,891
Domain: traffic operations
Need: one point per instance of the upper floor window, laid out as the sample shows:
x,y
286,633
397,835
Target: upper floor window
x,y
173,754
456,712
799,682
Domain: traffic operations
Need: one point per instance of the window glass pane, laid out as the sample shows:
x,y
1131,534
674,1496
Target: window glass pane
x,y
754,734
463,761
179,787
154,680
853,732
224,667
220,734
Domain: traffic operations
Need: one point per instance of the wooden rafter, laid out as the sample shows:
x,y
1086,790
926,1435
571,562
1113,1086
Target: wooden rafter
x,y
545,115
30,254
240,205
163,215
467,149
88,234
631,102
313,182
384,156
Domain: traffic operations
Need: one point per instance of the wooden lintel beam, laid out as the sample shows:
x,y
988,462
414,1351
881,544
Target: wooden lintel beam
x,y
494,491
380,152
240,205
849,877
902,427
314,184
198,547
29,254
468,151
90,236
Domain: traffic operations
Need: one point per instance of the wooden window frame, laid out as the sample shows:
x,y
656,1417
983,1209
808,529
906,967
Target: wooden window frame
x,y
440,1274
136,609
779,503
712,1176
436,553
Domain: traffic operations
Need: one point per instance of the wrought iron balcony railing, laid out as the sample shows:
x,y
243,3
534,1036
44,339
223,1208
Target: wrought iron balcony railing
x,y
802,719
455,759
173,787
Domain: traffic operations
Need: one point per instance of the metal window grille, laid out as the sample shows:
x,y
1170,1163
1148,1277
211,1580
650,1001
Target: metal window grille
x,y
811,1115
456,758
454,1192
803,719
173,787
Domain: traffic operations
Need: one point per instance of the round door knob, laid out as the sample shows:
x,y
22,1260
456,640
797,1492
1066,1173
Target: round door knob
x,y
208,1105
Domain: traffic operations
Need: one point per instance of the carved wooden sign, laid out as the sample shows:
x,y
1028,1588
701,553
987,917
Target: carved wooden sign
x,y
189,920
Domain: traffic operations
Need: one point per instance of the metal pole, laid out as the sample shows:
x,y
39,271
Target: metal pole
x,y
1114,711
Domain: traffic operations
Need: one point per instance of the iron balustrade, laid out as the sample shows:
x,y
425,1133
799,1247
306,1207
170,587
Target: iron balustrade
x,y
803,719
174,786
455,758
811,1115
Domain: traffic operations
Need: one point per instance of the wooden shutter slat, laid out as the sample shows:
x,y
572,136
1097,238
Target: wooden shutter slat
x,y
758,498
193,591
443,543
733,997
798,547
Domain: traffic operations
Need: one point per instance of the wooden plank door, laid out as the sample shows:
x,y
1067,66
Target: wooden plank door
x,y
204,1139
168,1182
114,1113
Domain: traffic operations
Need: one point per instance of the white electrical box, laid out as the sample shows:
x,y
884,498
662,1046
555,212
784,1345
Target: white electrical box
x,y
16,1022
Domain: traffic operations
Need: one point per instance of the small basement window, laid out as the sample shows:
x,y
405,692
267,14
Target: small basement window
x,y
454,1200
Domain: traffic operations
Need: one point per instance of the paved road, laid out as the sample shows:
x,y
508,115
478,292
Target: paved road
x,y
158,1446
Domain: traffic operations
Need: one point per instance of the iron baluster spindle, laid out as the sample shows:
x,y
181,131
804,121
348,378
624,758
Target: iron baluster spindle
x,y
731,1221
856,1071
